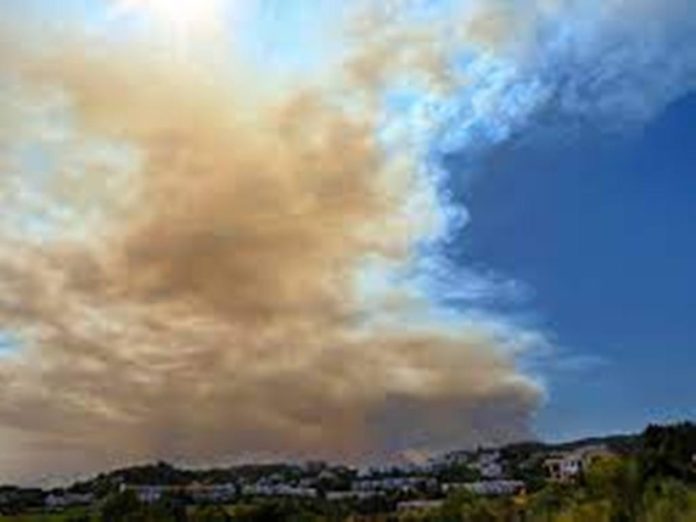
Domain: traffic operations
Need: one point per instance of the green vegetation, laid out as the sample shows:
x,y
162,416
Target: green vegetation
x,y
650,478
655,484
69,515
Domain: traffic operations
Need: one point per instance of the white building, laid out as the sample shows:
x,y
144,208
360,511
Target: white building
x,y
337,496
488,465
278,490
148,494
487,488
212,492
568,466
562,468
65,500
197,492
402,484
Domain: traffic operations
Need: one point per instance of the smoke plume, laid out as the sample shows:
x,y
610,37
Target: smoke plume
x,y
200,259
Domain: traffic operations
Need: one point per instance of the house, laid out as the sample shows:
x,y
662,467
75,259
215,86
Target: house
x,y
488,457
454,458
147,494
65,500
197,492
564,467
278,490
487,488
215,493
308,482
338,496
491,470
488,465
394,484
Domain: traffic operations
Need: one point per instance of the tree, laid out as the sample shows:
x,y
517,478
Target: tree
x,y
118,506
667,451
669,501
617,481
209,514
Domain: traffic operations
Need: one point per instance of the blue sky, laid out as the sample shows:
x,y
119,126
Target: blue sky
x,y
602,228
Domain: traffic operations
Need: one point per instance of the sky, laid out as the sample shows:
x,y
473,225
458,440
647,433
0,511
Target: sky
x,y
601,232
264,229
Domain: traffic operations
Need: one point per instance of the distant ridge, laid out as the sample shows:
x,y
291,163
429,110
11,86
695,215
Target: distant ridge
x,y
163,473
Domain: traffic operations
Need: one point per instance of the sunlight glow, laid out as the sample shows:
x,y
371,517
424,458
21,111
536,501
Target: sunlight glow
x,y
185,18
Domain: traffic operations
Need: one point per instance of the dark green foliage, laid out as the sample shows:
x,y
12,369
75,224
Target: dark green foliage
x,y
125,507
18,500
465,507
119,506
667,451
281,511
457,473
209,514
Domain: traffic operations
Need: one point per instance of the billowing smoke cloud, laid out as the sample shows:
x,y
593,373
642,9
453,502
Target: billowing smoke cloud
x,y
208,306
196,264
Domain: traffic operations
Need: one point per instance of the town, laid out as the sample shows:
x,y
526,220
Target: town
x,y
515,475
